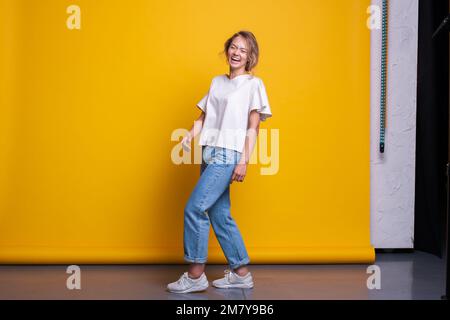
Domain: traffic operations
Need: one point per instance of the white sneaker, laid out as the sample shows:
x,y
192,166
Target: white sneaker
x,y
186,284
233,280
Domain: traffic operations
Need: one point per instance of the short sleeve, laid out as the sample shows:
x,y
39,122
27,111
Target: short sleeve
x,y
202,103
259,101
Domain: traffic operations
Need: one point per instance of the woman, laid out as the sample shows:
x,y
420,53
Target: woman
x,y
228,127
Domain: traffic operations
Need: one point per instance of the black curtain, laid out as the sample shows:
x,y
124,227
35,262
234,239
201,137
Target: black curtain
x,y
432,129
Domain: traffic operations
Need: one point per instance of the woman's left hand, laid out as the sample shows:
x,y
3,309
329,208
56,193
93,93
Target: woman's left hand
x,y
239,172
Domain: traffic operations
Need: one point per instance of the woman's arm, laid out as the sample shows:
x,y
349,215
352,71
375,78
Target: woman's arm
x,y
195,130
197,126
250,141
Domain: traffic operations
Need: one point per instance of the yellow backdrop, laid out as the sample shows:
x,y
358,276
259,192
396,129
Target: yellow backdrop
x,y
87,117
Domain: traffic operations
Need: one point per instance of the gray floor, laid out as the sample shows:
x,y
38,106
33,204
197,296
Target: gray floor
x,y
415,275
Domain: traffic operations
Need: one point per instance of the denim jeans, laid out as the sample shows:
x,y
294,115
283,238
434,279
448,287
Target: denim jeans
x,y
210,202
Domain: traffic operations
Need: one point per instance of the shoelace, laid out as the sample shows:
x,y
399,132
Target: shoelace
x,y
183,279
227,274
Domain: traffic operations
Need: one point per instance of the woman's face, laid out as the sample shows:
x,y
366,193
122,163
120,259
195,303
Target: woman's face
x,y
238,54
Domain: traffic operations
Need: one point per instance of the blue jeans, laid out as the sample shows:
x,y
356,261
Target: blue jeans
x,y
210,202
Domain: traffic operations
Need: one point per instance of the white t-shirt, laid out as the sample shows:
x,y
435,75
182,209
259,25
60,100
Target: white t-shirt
x,y
227,106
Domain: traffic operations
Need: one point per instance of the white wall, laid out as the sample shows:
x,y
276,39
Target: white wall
x,y
392,174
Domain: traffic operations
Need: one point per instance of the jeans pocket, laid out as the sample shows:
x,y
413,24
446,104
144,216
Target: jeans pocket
x,y
208,154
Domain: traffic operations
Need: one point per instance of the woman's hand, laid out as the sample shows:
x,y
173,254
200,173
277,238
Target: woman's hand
x,y
186,142
239,172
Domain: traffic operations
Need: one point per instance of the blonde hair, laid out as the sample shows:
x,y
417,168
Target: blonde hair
x,y
253,49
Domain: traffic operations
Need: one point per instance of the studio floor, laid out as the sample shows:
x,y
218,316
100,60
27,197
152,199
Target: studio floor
x,y
412,275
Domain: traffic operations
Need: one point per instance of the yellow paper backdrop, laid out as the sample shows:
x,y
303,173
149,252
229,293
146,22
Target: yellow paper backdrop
x,y
87,116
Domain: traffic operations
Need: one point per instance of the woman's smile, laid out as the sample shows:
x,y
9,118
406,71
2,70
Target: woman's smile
x,y
235,61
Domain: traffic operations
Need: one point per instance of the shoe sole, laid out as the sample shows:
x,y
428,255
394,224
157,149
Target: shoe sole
x,y
231,286
193,289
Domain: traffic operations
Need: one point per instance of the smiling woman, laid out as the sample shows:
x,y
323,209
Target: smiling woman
x,y
233,108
